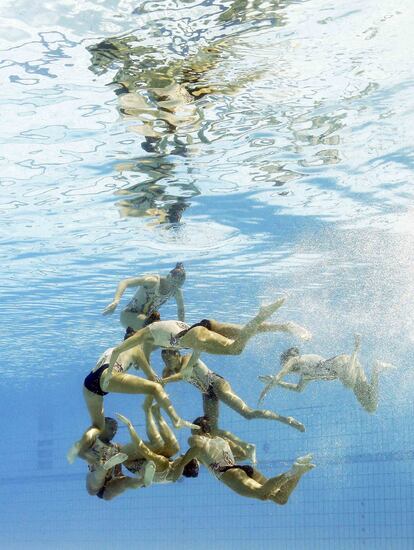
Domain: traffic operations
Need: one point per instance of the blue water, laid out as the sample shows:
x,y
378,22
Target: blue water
x,y
286,169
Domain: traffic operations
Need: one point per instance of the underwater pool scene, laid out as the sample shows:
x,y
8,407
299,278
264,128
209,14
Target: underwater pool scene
x,y
268,146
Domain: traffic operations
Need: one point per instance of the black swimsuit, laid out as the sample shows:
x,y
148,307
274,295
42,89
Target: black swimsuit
x,y
91,382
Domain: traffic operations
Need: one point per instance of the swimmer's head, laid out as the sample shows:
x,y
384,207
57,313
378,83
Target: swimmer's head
x,y
129,332
172,359
203,422
286,355
191,469
177,275
152,318
111,427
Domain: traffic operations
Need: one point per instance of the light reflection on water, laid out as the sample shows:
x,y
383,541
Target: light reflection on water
x,y
207,130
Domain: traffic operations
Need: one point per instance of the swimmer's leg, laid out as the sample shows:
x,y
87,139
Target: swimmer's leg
x,y
291,479
225,393
289,327
127,383
142,450
154,436
233,330
367,392
245,486
202,339
171,445
95,407
119,485
133,320
252,326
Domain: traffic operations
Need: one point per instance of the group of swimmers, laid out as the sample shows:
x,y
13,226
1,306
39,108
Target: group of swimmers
x,y
220,451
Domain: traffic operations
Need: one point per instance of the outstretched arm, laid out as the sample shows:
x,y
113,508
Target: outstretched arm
x,y
180,305
123,285
300,386
272,381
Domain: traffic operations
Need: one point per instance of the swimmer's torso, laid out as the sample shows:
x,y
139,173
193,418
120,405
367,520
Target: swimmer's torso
x,y
216,453
99,453
122,364
148,298
137,467
201,376
315,367
165,333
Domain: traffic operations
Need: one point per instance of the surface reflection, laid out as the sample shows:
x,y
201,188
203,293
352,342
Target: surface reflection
x,y
159,196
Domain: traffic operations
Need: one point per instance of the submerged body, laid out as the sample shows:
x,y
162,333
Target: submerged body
x,y
345,368
215,454
216,389
153,292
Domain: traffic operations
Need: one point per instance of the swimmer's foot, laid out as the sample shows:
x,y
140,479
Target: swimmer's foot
x,y
306,459
119,458
73,453
297,330
300,468
381,365
149,472
180,423
251,453
290,421
267,311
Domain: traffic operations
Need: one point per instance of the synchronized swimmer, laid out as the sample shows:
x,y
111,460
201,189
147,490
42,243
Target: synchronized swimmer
x,y
218,450
345,368
153,292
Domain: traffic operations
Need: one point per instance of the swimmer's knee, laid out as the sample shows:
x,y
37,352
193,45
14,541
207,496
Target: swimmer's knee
x,y
281,501
206,323
199,333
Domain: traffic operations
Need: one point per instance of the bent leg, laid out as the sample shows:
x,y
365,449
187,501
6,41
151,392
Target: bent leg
x,y
133,320
142,450
119,485
289,327
367,393
243,485
127,383
170,444
155,440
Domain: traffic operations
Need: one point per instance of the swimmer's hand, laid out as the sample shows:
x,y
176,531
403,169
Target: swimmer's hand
x,y
110,308
124,419
73,453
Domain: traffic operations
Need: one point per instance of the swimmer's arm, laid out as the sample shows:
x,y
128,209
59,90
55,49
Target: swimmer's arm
x,y
300,386
284,370
272,381
180,305
141,362
173,378
123,285
123,346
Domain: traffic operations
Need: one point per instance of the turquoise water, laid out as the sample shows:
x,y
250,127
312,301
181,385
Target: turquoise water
x,y
282,165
